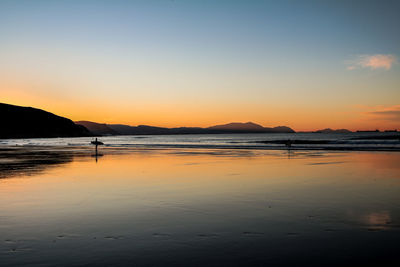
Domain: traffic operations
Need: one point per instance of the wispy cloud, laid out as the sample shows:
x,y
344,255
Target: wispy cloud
x,y
373,62
386,113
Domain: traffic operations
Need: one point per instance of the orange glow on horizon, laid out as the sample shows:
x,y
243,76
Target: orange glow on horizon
x,y
199,114
186,66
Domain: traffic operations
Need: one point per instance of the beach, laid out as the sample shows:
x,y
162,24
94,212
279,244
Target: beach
x,y
199,133
180,206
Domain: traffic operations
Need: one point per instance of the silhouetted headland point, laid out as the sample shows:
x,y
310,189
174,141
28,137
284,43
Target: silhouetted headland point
x,y
27,122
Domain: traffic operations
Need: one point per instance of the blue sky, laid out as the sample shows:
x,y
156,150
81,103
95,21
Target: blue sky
x,y
265,56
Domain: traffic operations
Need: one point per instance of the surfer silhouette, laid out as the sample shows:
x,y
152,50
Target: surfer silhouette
x,y
96,143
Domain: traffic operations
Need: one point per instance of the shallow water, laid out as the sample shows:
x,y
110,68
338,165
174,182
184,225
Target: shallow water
x,y
198,207
370,141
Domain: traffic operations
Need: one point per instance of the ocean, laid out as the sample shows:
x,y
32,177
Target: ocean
x,y
371,141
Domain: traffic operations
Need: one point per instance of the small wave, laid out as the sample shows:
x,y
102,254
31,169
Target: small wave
x,y
266,142
328,142
302,142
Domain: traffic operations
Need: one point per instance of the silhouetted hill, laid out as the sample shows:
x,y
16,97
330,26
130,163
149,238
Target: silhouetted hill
x,y
141,129
27,122
97,128
235,126
248,127
329,130
24,122
122,129
280,129
145,129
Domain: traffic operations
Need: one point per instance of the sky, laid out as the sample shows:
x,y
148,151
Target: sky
x,y
304,64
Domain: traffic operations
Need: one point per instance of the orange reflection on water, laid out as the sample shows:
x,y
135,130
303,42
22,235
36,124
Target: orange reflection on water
x,y
141,197
378,220
206,171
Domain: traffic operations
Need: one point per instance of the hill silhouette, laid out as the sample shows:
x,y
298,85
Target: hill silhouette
x,y
235,127
248,126
329,130
97,128
27,122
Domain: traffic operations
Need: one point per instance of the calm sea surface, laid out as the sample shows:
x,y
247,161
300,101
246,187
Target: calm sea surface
x,y
300,141
170,206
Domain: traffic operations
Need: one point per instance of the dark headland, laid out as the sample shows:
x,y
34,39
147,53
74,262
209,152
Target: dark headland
x,y
27,122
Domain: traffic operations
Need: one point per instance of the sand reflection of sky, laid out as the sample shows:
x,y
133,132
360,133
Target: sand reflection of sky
x,y
179,197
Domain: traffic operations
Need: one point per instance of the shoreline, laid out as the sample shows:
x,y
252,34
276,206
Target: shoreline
x,y
127,147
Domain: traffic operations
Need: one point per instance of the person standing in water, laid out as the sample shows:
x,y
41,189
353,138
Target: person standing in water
x,y
96,143
289,144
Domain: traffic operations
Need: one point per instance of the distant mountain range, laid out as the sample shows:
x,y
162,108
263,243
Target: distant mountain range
x,y
236,127
329,130
97,128
27,122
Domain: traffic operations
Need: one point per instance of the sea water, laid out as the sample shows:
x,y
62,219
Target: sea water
x,y
300,141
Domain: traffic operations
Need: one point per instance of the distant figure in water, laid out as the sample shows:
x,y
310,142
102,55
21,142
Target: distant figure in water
x,y
289,143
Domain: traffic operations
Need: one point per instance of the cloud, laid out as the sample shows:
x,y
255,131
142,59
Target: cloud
x,y
373,62
386,113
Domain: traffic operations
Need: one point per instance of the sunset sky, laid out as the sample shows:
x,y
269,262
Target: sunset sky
x,y
305,64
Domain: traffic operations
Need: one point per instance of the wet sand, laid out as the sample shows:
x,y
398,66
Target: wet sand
x,y
63,206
